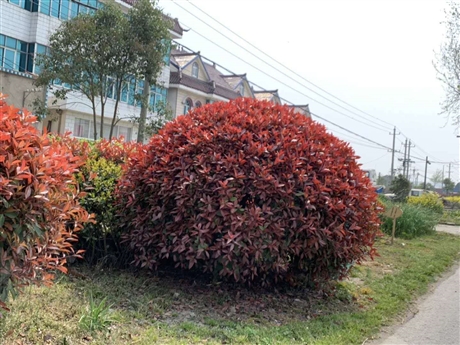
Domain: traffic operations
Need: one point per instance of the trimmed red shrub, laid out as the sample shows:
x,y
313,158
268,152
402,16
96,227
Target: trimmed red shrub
x,y
39,210
117,150
250,191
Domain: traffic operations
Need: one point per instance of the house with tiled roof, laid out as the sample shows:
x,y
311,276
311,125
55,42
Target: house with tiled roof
x,y
240,84
268,95
303,109
194,82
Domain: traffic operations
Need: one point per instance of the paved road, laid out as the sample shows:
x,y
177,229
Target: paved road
x,y
438,319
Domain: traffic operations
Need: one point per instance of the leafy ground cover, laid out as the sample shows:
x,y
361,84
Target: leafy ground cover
x,y
113,307
451,217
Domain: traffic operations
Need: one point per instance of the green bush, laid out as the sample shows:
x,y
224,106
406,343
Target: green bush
x,y
428,200
415,221
99,178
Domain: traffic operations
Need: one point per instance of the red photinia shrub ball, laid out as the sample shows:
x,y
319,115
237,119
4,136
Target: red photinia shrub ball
x,y
39,210
117,150
251,191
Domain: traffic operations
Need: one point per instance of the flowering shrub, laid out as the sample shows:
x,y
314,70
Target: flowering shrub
x,y
248,191
39,209
428,200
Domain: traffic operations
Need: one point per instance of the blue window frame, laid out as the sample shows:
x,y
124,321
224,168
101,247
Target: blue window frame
x,y
124,92
45,7
65,9
40,49
62,9
15,54
55,7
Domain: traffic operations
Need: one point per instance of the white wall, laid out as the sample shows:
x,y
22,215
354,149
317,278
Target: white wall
x,y
26,26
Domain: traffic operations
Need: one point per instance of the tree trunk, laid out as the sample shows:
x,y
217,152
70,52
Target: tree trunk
x,y
101,133
103,91
119,87
93,103
144,107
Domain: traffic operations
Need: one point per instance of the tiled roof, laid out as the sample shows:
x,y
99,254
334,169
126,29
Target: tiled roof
x,y
233,80
215,75
263,96
203,86
177,28
266,95
182,58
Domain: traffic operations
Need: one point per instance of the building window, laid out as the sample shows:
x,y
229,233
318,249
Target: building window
x,y
81,128
195,70
125,132
198,104
29,5
62,9
84,129
188,104
39,50
14,54
157,94
241,89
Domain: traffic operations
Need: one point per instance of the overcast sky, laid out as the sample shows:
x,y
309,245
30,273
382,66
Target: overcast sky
x,y
375,55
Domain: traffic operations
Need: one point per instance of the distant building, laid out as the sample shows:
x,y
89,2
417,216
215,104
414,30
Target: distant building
x,y
195,81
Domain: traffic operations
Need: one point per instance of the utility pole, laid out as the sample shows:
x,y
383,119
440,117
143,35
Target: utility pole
x,y
404,160
449,169
393,155
408,159
442,182
426,171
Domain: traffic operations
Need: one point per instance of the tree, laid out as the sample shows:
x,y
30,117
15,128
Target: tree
x,y
83,56
150,38
447,63
400,186
436,178
163,114
448,185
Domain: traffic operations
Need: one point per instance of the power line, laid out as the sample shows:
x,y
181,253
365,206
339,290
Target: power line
x,y
279,81
358,135
285,75
376,159
287,68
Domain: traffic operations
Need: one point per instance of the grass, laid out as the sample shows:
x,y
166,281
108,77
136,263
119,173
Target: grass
x,y
451,217
97,315
170,310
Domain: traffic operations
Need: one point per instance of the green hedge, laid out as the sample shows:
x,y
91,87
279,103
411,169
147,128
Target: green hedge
x,y
416,221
